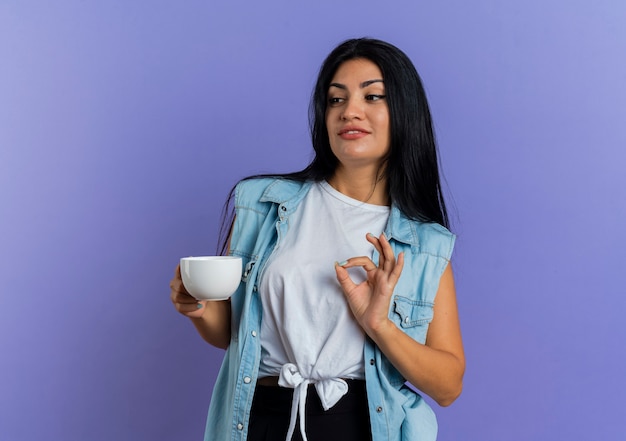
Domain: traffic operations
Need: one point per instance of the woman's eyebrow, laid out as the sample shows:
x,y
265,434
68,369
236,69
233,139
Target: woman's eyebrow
x,y
362,85
368,82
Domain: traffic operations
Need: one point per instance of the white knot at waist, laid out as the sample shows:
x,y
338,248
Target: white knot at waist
x,y
329,390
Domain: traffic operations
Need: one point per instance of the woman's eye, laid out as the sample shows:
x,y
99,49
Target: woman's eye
x,y
335,100
373,97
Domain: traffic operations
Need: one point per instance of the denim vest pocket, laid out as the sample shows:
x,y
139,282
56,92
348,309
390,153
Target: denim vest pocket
x,y
247,270
412,316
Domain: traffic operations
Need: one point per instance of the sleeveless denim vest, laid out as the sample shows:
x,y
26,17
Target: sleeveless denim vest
x,y
397,413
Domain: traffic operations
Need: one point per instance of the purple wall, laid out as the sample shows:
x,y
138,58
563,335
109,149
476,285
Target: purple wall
x,y
124,124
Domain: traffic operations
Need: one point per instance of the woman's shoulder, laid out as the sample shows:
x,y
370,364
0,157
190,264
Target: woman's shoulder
x,y
267,189
435,239
426,237
255,183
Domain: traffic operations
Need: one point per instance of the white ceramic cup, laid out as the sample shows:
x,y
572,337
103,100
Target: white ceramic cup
x,y
211,277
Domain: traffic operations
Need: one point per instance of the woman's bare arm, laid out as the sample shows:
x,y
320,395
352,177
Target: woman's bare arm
x,y
211,318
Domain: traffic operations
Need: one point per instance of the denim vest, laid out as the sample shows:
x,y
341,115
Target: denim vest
x,y
397,413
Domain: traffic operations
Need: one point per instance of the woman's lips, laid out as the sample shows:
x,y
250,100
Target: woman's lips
x,y
352,133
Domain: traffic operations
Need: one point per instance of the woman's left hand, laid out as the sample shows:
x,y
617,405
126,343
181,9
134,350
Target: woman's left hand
x,y
369,300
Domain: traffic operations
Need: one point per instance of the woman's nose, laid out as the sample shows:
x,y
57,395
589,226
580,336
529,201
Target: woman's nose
x,y
352,110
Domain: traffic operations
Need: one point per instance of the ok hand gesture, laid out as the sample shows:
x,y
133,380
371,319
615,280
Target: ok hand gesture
x,y
369,300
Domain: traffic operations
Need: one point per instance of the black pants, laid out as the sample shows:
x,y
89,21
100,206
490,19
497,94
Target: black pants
x,y
348,420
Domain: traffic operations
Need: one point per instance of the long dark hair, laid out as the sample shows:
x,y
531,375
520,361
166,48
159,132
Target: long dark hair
x,y
411,168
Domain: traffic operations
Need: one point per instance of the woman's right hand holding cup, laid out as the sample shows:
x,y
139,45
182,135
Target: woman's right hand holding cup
x,y
182,300
211,320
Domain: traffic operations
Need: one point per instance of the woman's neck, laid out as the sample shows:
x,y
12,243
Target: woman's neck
x,y
363,187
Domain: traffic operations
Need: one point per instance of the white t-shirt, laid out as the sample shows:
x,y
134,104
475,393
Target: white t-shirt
x,y
308,334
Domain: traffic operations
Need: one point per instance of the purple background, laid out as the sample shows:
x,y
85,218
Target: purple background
x,y
124,124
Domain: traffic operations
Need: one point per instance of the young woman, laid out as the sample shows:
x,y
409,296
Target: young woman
x,y
348,291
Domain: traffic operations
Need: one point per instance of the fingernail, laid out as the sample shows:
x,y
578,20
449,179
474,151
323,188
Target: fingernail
x,y
342,263
199,305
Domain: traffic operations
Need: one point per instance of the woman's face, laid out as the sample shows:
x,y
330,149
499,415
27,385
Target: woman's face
x,y
357,116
